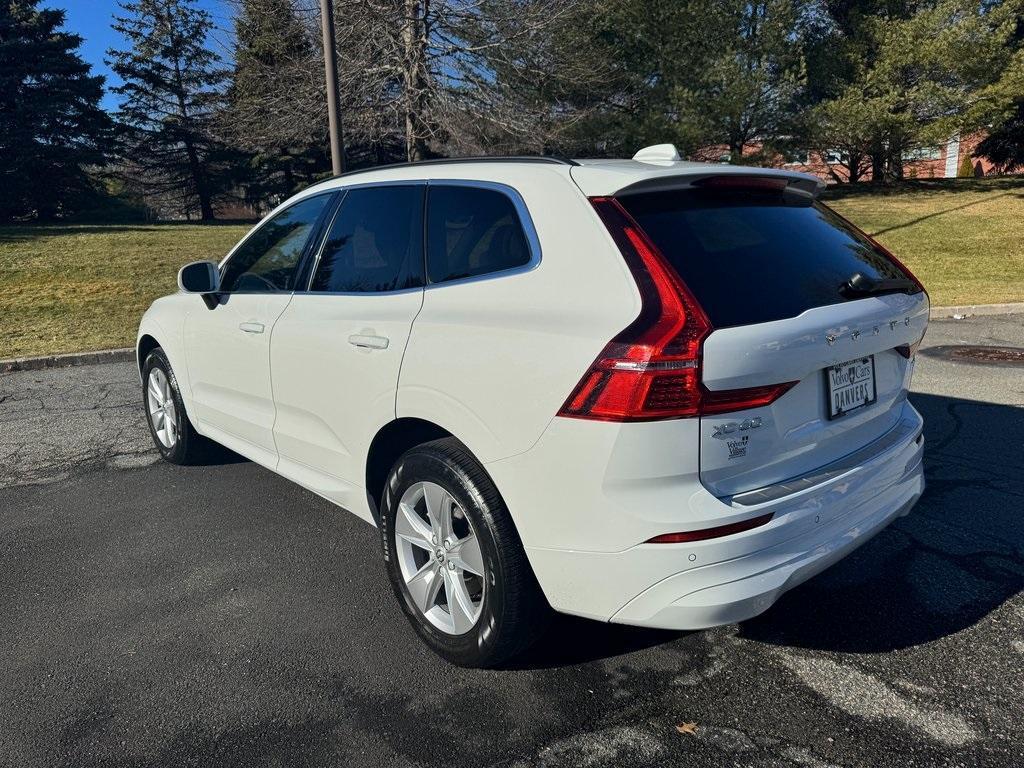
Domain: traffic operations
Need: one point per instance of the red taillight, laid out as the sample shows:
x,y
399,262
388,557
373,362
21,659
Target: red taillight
x,y
710,533
651,370
741,399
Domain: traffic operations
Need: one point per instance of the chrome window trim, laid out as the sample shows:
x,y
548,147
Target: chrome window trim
x,y
525,221
518,203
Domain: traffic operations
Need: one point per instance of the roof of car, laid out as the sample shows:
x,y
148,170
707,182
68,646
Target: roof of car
x,y
594,176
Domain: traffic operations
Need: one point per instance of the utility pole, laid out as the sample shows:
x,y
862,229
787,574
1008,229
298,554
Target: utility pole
x,y
331,74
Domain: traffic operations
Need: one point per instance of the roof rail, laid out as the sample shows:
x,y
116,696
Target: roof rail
x,y
544,159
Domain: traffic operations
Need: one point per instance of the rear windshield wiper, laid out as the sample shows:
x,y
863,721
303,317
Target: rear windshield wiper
x,y
860,284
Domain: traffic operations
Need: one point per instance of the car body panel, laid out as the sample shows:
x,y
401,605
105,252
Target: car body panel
x,y
332,395
621,489
492,359
795,434
228,354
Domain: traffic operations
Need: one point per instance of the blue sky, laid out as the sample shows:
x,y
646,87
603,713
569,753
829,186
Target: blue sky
x,y
92,20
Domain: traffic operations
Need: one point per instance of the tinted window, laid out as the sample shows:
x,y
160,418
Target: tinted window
x,y
375,242
752,257
268,258
472,231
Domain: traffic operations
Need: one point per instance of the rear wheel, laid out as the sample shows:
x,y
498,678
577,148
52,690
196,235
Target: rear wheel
x,y
455,560
172,432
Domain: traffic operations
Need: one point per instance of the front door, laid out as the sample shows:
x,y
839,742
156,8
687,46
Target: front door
x,y
338,347
228,347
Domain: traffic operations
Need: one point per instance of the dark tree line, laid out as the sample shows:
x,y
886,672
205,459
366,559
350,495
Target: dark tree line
x,y
864,82
51,126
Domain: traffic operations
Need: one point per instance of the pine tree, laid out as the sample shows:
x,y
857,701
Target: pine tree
x,y
173,87
51,124
267,104
1004,147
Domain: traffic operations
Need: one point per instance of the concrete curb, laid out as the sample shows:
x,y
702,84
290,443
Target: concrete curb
x,y
63,361
966,310
122,355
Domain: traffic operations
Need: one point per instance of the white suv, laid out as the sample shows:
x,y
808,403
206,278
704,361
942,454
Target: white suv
x,y
641,391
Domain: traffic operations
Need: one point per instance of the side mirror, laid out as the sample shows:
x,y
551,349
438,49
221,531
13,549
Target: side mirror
x,y
199,277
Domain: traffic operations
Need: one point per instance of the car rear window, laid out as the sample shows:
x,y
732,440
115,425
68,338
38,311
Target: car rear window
x,y
753,256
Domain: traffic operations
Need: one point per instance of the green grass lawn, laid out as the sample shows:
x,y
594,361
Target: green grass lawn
x,y
963,238
70,288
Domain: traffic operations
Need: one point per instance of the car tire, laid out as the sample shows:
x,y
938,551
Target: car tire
x,y
509,607
169,426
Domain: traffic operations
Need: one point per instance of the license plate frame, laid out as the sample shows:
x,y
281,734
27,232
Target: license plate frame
x,y
863,385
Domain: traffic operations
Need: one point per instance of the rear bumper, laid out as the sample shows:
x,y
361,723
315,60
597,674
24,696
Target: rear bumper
x,y
723,593
720,581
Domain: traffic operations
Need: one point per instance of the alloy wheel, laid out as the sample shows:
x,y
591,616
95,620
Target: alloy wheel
x,y
163,414
440,558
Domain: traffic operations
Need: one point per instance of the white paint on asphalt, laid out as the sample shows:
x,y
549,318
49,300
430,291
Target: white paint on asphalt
x,y
863,695
608,746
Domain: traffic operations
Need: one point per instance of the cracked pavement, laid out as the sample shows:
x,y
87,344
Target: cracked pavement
x,y
220,615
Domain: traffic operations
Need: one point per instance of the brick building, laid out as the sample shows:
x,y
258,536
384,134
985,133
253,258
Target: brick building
x,y
941,162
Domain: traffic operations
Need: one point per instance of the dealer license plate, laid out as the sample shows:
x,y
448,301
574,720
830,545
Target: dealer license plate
x,y
851,385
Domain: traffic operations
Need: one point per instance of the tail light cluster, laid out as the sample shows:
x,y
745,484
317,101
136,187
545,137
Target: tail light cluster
x,y
651,370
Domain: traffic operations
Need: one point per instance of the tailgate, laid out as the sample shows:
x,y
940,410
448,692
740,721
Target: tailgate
x,y
794,295
750,449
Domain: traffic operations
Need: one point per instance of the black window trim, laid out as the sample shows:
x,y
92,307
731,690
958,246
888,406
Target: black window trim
x,y
313,238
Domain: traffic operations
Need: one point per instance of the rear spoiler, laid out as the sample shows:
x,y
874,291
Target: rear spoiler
x,y
616,180
791,182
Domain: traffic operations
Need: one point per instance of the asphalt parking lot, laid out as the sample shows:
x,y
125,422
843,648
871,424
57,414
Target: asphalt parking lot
x,y
219,615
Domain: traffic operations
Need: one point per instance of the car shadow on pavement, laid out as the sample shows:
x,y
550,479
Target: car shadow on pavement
x,y
216,455
957,557
570,640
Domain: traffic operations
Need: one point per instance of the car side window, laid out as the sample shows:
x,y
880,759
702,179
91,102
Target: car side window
x,y
268,260
472,231
375,242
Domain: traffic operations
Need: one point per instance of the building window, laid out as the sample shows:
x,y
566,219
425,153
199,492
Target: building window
x,y
796,157
922,153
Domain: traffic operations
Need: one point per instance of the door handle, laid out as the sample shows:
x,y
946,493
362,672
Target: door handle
x,y
368,342
251,327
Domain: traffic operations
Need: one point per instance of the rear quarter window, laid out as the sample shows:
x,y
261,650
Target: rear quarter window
x,y
472,231
756,256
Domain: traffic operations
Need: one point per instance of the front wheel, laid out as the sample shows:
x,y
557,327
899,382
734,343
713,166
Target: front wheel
x,y
455,560
172,432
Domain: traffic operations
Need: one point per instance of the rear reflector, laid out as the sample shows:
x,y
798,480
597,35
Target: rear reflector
x,y
710,533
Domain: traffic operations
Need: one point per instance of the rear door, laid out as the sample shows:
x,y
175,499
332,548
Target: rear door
x,y
769,269
338,348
